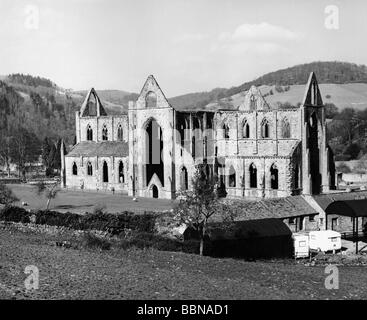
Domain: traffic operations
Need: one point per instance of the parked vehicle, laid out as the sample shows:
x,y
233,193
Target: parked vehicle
x,y
301,245
325,240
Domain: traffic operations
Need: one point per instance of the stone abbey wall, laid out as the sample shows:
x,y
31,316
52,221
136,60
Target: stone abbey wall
x,y
256,151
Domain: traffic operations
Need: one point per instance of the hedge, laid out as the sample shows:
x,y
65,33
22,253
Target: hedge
x,y
112,223
142,225
144,240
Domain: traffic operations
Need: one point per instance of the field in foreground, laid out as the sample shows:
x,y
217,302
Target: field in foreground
x,y
78,201
151,274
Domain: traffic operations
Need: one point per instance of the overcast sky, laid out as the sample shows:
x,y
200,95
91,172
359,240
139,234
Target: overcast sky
x,y
188,45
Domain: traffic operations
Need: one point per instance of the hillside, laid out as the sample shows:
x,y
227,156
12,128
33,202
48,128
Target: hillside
x,y
113,99
44,109
337,73
349,95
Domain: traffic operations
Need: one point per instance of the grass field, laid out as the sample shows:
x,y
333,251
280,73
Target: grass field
x,y
83,201
150,274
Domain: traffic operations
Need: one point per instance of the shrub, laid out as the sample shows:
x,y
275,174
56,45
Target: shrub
x,y
7,197
279,89
54,218
343,168
15,214
115,224
90,240
99,208
143,240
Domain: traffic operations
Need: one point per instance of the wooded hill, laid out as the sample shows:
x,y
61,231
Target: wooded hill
x,y
36,108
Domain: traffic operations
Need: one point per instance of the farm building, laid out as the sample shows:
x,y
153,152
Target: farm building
x,y
262,238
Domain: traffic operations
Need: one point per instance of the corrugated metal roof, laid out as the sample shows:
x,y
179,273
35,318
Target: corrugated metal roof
x,y
349,208
324,200
106,148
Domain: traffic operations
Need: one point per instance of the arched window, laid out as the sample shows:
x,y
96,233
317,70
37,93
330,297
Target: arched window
x,y
274,184
286,129
253,176
151,100
197,127
232,177
205,141
193,147
120,133
155,192
225,131
105,171
252,102
184,179
104,133
89,133
265,129
89,169
245,130
75,169
121,173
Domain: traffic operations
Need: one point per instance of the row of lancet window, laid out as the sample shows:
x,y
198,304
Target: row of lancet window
x,y
120,133
274,177
265,130
105,171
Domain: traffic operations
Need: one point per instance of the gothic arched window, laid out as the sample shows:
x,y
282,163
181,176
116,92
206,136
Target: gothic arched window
x,y
253,176
193,147
225,131
232,177
89,133
89,169
274,183
265,129
286,129
120,133
75,169
104,133
245,130
121,172
151,100
105,172
184,179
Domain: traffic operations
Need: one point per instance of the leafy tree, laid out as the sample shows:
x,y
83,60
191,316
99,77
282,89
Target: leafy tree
x,y
7,197
49,191
353,150
197,206
25,148
46,148
331,110
349,120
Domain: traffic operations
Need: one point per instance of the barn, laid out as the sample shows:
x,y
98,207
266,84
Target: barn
x,y
252,239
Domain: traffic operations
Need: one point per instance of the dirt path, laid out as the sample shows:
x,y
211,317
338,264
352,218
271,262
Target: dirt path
x,y
151,274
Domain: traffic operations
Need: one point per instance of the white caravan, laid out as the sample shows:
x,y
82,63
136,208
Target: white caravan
x,y
325,240
301,245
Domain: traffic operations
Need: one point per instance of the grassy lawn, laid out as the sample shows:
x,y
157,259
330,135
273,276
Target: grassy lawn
x,y
82,201
151,274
